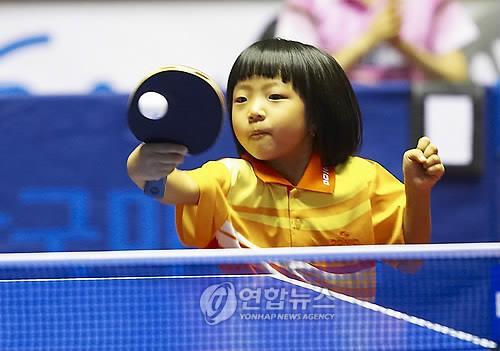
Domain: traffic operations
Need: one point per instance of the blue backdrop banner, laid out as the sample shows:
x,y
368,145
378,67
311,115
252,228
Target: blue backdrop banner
x,y
64,185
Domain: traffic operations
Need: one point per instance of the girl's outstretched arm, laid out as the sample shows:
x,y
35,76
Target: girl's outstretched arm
x,y
422,168
155,161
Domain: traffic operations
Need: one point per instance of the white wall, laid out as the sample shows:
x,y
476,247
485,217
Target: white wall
x,y
120,41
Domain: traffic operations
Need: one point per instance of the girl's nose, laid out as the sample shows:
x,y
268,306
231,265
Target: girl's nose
x,y
256,114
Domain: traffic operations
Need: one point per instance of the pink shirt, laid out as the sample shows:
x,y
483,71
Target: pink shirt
x,y
437,26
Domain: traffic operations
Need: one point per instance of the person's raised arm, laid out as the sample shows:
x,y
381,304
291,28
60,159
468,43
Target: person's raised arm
x,y
155,161
422,168
450,66
385,27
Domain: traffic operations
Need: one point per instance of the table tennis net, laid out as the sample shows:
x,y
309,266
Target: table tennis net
x,y
413,297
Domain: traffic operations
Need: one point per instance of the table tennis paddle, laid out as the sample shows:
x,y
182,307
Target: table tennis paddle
x,y
176,104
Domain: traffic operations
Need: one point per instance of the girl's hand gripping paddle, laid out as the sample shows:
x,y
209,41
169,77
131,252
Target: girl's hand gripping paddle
x,y
179,105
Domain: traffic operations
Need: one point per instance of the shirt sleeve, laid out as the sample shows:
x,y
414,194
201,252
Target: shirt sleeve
x,y
295,22
388,203
453,28
197,224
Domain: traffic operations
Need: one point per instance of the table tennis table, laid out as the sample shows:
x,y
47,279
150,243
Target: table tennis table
x,y
207,312
167,313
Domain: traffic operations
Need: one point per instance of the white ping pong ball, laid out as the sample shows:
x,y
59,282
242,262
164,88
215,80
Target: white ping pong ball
x,y
152,105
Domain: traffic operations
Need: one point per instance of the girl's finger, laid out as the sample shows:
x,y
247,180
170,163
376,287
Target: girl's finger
x,y
423,142
431,161
430,150
435,170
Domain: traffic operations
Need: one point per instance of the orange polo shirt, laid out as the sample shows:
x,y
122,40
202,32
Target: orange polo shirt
x,y
245,204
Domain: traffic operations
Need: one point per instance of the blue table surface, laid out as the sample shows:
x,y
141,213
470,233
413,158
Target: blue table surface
x,y
202,313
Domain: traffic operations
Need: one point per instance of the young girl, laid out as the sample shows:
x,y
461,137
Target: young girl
x,y
297,125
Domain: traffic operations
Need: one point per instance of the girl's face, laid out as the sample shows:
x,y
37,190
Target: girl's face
x,y
269,120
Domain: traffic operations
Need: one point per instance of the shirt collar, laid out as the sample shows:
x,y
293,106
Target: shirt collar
x,y
315,178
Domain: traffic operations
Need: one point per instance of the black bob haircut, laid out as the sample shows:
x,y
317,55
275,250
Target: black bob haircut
x,y
331,107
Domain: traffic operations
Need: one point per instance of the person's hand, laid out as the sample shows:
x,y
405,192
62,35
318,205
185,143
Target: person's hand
x,y
387,24
154,161
422,167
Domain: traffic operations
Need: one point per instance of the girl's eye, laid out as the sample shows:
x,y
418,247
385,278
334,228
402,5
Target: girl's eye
x,y
240,99
276,97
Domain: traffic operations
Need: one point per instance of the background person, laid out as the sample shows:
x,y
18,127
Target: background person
x,y
377,40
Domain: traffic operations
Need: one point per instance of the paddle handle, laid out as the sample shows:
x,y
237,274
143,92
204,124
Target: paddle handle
x,y
155,188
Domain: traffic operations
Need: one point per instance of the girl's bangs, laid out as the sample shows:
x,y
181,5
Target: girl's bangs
x,y
267,64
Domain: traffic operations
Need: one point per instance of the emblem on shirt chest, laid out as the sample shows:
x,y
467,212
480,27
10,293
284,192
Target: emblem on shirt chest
x,y
343,238
325,176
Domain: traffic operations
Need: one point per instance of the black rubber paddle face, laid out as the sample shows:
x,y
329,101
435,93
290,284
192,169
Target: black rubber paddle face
x,y
194,114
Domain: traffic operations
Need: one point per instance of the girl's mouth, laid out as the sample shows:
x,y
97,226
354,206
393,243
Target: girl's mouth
x,y
259,133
